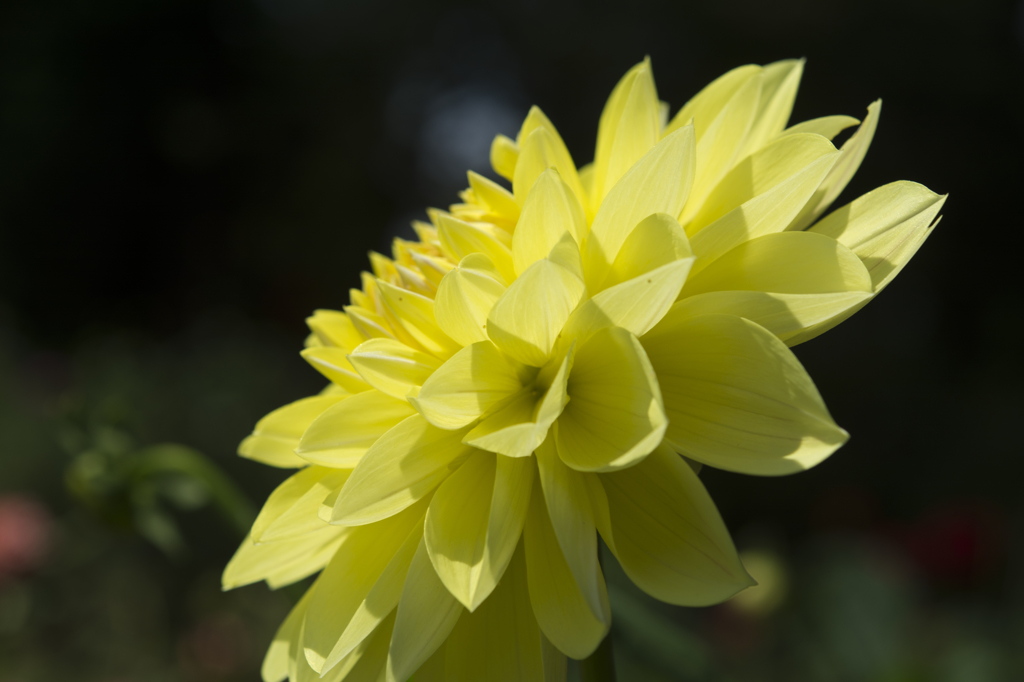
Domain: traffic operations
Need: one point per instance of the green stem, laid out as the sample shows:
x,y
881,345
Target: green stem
x,y
600,665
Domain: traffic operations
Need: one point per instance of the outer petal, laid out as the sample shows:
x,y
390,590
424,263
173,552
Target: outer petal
x,y
275,663
276,436
504,155
474,523
657,183
657,240
766,213
562,611
826,126
459,239
885,228
781,81
569,509
365,663
427,613
291,510
465,297
615,414
499,200
541,147
550,210
718,147
283,562
764,169
669,537
628,129
345,584
784,263
636,305
500,641
333,328
832,186
403,466
379,603
416,314
475,380
392,367
333,363
738,399
368,323
787,316
342,434
707,104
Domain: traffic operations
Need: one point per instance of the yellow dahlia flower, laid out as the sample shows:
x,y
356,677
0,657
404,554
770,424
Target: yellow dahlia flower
x,y
528,372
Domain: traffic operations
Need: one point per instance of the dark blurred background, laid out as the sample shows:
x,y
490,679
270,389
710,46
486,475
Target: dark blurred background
x,y
182,182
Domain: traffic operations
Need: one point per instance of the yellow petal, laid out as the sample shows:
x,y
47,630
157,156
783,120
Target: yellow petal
x,y
885,228
787,316
379,603
628,129
518,428
427,613
784,263
718,148
504,153
402,467
392,367
738,399
656,240
471,382
541,147
291,510
498,199
615,414
568,504
474,523
562,611
764,169
433,269
333,363
658,183
500,641
415,281
368,323
550,210
635,305
282,562
669,537
526,320
767,213
361,560
415,313
459,239
465,297
366,662
342,434
275,663
781,81
826,126
835,182
276,436
707,104
333,328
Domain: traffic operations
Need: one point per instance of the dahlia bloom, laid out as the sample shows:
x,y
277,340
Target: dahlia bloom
x,y
552,363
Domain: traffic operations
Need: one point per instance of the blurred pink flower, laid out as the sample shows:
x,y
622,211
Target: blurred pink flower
x,y
25,533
